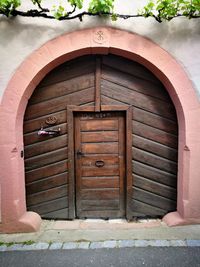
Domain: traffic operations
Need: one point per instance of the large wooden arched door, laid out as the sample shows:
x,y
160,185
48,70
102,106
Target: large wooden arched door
x,y
81,170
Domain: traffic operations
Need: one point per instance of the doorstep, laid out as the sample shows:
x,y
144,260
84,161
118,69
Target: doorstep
x,y
101,231
98,224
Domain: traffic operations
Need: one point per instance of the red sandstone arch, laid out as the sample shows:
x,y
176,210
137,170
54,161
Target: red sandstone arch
x,y
15,218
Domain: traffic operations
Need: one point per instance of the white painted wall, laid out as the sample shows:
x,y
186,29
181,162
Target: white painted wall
x,y
19,37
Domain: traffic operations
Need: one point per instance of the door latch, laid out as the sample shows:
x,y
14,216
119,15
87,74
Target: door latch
x,y
79,154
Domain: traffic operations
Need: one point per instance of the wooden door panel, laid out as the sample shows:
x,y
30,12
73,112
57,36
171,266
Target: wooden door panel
x,y
102,205
46,171
71,69
50,182
154,174
108,160
94,125
155,161
104,171
128,66
59,89
155,148
57,104
46,157
100,194
51,144
47,195
100,148
107,136
100,182
146,102
100,166
133,83
154,134
53,205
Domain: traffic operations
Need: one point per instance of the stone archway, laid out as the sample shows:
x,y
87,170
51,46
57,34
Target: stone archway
x,y
15,218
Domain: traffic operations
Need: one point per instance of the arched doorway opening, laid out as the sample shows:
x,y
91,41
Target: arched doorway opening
x,y
15,217
100,177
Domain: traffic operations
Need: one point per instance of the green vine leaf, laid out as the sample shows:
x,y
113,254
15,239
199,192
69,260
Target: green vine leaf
x,y
101,6
78,3
158,9
114,17
169,9
59,11
7,6
36,1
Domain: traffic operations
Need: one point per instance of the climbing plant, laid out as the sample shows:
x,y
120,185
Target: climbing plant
x,y
72,9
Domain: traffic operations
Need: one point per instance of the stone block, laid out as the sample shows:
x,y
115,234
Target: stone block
x,y
56,245
126,243
193,243
70,245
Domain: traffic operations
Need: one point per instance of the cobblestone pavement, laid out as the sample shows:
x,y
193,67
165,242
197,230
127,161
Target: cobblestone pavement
x,y
98,245
97,234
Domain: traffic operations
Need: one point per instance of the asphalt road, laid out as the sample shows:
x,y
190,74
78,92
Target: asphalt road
x,y
126,257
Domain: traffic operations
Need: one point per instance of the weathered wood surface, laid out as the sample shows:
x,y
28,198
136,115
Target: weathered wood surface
x,y
154,134
95,184
46,157
96,81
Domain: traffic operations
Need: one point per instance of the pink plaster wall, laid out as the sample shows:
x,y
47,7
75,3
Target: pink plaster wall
x,y
15,217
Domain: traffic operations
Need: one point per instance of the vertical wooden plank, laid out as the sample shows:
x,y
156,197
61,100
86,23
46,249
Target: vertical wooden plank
x,y
129,163
98,85
70,124
78,163
121,162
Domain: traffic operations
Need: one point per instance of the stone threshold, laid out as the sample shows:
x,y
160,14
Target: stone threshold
x,y
90,231
99,224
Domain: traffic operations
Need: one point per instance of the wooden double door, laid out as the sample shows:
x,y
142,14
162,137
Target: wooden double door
x,y
100,140
100,164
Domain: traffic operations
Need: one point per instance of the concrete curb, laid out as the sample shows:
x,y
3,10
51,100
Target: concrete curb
x,y
108,244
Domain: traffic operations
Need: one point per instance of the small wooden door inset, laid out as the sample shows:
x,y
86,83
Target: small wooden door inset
x,y
100,164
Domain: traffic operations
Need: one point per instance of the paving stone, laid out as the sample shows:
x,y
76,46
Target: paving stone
x,y
159,243
177,243
70,245
83,245
3,248
110,244
29,247
15,247
193,243
56,245
142,243
126,243
41,245
94,245
36,246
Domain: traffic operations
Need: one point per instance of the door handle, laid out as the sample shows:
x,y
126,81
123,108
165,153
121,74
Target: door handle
x,y
49,132
99,163
79,154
